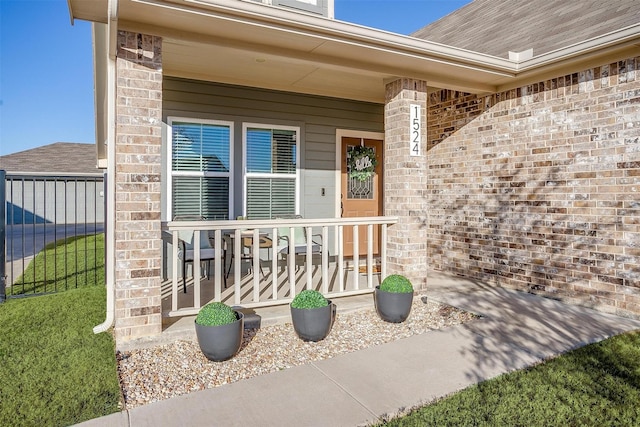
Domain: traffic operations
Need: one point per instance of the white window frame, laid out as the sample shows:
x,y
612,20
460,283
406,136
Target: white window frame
x,y
170,173
246,175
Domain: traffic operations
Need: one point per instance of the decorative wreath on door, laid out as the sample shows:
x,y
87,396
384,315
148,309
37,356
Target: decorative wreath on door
x,y
361,162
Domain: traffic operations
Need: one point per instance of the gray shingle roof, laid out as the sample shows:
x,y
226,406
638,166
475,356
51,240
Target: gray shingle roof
x,y
496,27
58,158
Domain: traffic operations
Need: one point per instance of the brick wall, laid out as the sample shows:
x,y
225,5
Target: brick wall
x,y
404,183
538,188
138,157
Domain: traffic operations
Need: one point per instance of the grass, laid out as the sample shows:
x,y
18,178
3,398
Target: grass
x,y
596,385
67,264
54,371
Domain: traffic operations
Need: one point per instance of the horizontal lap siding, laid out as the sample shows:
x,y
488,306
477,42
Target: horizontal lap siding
x,y
317,117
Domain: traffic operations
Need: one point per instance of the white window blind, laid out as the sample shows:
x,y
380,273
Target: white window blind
x,y
271,171
200,169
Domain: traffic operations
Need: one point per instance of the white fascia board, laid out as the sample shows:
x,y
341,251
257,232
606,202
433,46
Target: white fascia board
x,y
70,9
254,13
628,35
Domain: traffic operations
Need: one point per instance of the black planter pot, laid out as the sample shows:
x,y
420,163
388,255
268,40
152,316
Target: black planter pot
x,y
393,307
313,324
222,342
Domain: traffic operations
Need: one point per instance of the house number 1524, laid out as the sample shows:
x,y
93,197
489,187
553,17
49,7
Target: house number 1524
x,y
415,130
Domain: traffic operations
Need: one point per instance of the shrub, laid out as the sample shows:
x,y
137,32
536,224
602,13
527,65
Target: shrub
x,y
216,314
396,284
309,299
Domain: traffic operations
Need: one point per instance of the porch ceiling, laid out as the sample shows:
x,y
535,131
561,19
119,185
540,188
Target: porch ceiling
x,y
248,43
228,65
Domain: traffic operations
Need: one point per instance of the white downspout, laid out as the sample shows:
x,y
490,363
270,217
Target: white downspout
x,y
110,258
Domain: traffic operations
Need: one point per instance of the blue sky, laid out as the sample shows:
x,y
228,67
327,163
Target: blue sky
x,y
46,65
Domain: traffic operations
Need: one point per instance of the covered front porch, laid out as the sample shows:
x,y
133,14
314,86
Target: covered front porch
x,y
202,142
324,256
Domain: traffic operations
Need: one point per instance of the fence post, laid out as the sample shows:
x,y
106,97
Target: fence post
x,y
3,235
105,176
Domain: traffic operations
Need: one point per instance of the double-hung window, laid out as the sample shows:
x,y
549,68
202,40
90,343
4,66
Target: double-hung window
x,y
201,156
271,170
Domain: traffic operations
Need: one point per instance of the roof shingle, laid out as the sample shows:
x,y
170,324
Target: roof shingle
x,y
495,27
58,158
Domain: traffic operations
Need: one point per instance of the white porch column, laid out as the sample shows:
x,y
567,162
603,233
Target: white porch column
x,y
405,181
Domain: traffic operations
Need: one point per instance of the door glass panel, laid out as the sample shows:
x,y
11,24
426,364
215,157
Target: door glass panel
x,y
356,187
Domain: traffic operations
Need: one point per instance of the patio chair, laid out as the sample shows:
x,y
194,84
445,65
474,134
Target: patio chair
x,y
186,251
300,239
246,248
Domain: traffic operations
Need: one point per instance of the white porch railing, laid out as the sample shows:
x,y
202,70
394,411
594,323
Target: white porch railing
x,y
335,275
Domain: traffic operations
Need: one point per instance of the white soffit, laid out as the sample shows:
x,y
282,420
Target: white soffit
x,y
220,40
313,44
88,10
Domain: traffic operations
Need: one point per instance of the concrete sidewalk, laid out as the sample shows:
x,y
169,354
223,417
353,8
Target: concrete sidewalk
x,y
516,331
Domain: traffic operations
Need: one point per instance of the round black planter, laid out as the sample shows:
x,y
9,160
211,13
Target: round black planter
x,y
313,324
393,307
222,342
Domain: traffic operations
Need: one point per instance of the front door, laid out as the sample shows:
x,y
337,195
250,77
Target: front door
x,y
361,193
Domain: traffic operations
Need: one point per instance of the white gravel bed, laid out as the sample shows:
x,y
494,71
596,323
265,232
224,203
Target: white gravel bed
x,y
152,374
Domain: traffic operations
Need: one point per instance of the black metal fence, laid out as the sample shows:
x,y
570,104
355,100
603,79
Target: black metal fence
x,y
51,233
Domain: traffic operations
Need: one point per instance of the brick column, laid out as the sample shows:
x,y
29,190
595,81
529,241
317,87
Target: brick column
x,y
138,155
405,182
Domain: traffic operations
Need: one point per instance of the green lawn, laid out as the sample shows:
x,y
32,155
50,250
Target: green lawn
x,y
597,385
54,371
70,264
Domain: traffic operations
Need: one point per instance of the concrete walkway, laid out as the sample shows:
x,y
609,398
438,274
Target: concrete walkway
x,y
516,331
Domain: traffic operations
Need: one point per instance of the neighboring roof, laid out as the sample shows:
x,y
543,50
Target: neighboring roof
x,y
58,158
495,27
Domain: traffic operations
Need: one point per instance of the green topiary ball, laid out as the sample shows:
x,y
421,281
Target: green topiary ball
x,y
396,284
216,314
309,299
